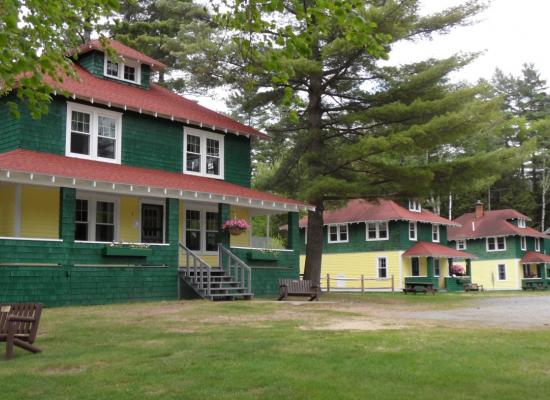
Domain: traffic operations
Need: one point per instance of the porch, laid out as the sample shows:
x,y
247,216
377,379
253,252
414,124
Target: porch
x,y
535,271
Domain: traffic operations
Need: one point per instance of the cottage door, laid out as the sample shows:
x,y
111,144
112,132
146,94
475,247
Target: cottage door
x,y
151,223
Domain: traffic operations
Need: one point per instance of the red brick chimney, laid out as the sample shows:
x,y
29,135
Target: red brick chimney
x,y
479,209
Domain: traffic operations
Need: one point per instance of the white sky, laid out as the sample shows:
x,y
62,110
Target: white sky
x,y
509,32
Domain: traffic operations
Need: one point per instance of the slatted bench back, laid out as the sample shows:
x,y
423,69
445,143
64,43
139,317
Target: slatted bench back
x,y
27,329
296,286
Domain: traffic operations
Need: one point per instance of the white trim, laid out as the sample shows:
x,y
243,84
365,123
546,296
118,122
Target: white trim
x,y
496,243
434,259
415,206
338,233
415,237
537,244
32,239
131,63
463,241
202,209
377,224
17,211
157,202
522,223
94,113
92,199
261,249
387,268
505,273
204,136
437,232
523,243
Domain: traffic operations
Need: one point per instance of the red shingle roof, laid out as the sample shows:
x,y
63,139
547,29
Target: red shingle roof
x,y
427,249
66,167
122,50
533,257
360,210
156,101
492,223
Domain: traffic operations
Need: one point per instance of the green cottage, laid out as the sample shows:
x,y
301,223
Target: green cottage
x,y
120,193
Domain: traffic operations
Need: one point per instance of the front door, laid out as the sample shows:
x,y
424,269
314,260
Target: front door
x,y
151,223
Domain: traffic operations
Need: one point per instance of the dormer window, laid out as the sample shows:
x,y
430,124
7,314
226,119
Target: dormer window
x,y
415,206
127,71
521,223
203,153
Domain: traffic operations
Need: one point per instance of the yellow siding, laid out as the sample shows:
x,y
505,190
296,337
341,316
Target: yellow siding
x,y
353,265
129,219
7,209
485,272
39,212
242,240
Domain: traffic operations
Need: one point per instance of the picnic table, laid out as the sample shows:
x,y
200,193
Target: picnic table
x,y
415,287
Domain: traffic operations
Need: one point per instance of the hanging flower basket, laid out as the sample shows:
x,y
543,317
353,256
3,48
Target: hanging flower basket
x,y
236,226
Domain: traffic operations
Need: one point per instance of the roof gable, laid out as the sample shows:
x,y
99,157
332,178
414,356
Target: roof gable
x,y
123,51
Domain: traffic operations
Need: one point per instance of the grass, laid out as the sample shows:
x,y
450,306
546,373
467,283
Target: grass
x,y
264,350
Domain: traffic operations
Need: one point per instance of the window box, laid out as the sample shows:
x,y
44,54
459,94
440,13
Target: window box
x,y
263,256
126,251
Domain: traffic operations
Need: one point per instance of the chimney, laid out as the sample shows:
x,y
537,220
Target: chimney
x,y
479,209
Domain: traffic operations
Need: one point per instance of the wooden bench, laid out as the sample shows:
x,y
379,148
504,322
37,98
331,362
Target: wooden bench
x,y
415,287
473,287
19,326
294,287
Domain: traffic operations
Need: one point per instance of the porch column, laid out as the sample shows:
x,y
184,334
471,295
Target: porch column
x,y
67,206
430,267
469,267
172,229
293,231
543,274
450,264
224,213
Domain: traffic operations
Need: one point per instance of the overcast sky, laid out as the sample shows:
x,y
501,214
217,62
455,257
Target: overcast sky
x,y
509,33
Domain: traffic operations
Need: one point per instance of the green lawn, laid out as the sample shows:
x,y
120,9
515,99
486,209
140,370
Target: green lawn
x,y
264,350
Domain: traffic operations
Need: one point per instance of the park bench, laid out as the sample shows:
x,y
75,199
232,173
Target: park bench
x,y
415,287
19,326
294,287
473,287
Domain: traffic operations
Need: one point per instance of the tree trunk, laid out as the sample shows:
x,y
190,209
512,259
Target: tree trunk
x,y
314,247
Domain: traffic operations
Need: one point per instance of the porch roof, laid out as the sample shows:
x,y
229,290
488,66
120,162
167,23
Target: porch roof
x,y
427,249
26,166
534,257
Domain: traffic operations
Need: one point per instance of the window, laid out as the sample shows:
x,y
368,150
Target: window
x,y
461,245
522,223
537,244
201,230
129,71
95,218
203,153
152,223
415,266
338,233
501,269
412,231
377,231
415,206
523,242
93,133
437,267
496,243
382,267
435,233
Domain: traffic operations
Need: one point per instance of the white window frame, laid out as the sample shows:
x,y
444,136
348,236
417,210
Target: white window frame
x,y
338,233
120,77
415,237
495,238
95,113
505,273
522,223
92,199
436,234
523,242
377,224
203,135
153,202
459,246
438,267
386,267
537,244
203,210
415,206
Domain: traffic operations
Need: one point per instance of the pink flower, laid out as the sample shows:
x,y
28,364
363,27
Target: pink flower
x,y
236,223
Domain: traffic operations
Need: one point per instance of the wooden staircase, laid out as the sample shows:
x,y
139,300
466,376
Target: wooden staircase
x,y
229,281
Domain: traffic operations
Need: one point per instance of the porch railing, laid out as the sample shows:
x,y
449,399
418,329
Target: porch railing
x,y
197,270
235,267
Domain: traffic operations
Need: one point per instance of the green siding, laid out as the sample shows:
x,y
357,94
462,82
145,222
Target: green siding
x,y
92,62
10,126
478,248
237,167
146,75
46,134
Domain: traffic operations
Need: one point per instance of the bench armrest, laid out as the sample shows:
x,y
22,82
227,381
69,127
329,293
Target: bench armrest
x,y
16,318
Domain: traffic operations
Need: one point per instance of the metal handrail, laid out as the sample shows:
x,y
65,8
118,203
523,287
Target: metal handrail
x,y
236,268
201,272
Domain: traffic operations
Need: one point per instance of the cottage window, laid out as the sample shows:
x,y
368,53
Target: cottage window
x,y
382,267
152,223
415,206
501,269
95,218
461,245
377,231
435,233
203,153
413,231
338,233
415,266
437,267
128,71
522,223
93,133
496,243
201,230
537,244
523,242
